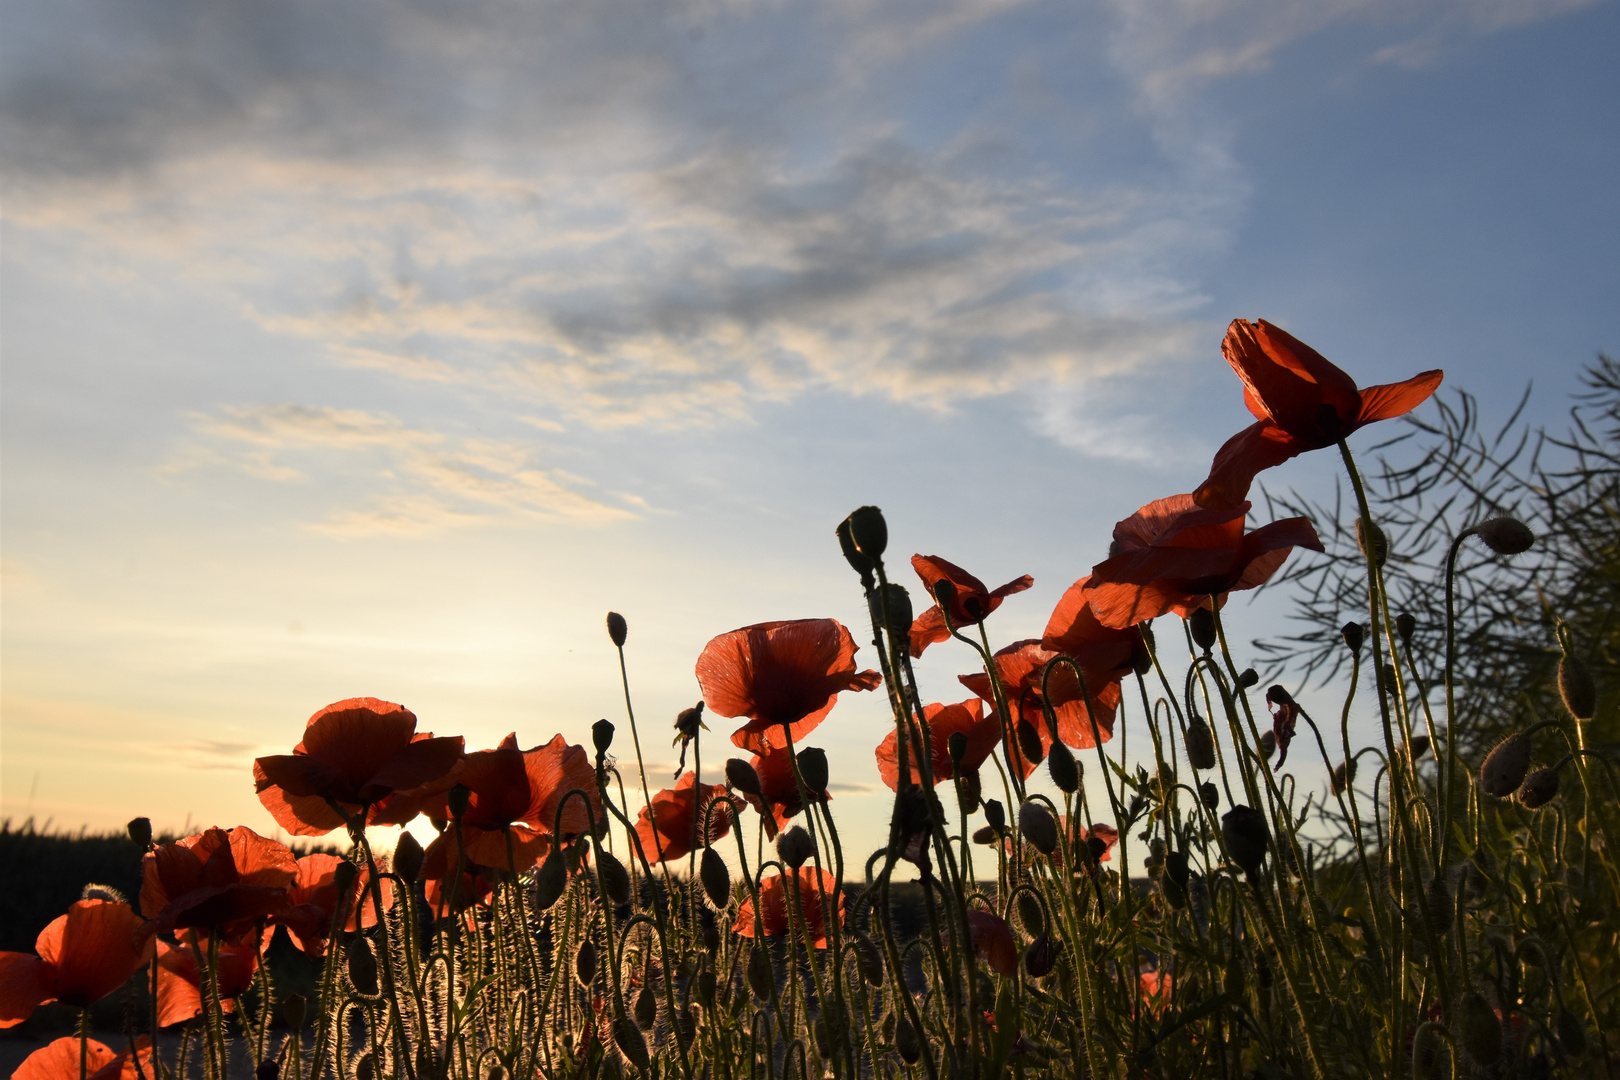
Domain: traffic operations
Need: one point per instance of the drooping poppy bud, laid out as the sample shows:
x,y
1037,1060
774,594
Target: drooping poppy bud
x,y
268,1069
1380,542
986,834
1030,913
1200,744
1505,535
615,878
1354,635
995,815
813,767
617,628
550,881
867,959
631,1043
1040,957
1268,744
1248,677
897,609
585,962
716,878
602,735
1201,624
1419,747
1209,794
1480,1029
1539,789
646,1008
760,978
796,847
742,776
293,1010
1038,827
1244,830
364,1067
140,831
343,875
1029,742
708,932
459,799
1405,627
408,856
1341,778
869,532
1177,868
1065,770
1505,766
1576,687
362,967
956,747
907,1042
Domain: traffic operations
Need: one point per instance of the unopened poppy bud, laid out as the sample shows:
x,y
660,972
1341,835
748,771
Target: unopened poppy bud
x,y
956,746
1029,742
1177,868
897,609
1244,830
1480,1029
741,775
602,735
408,855
615,878
140,831
1200,744
1388,681
869,531
685,1026
985,834
1141,658
1040,958
630,1041
617,628
907,1042
1248,677
1354,635
459,799
796,847
708,931
343,876
707,987
1030,913
364,1067
1576,687
1268,744
716,878
1505,766
550,881
970,790
1209,794
1038,827
995,815
292,1011
1505,535
1539,789
1064,769
1096,848
268,1069
1572,1033
1201,623
944,592
362,967
646,1008
1380,543
1420,746
813,767
1405,627
760,977
852,555
1233,979
867,959
1342,775
585,962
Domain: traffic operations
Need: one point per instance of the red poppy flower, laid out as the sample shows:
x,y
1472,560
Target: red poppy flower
x,y
970,606
780,674
82,957
1075,631
993,941
1154,989
778,799
1020,666
179,996
355,753
217,880
679,810
812,884
1301,402
983,736
1106,835
446,893
1172,554
313,901
59,1060
518,791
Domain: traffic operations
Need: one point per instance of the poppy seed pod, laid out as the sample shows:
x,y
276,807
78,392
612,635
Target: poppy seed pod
x,y
646,1008
1505,766
867,959
630,1041
1354,636
1200,744
742,776
1576,687
760,978
550,881
1268,744
1405,627
813,767
897,608
1209,794
869,531
585,962
408,855
1201,624
362,966
1505,535
1029,742
1038,827
796,847
615,878
716,878
1480,1029
1244,830
1040,958
459,799
602,735
1539,789
293,1010
1064,769
617,628
995,814
852,555
1380,542
1248,677
140,831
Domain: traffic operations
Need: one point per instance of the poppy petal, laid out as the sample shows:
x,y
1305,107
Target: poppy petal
x,y
94,949
1260,446
928,629
993,941
59,1060
420,762
300,815
24,986
1267,548
1290,380
1389,400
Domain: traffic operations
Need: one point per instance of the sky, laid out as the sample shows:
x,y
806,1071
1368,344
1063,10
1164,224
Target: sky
x,y
374,349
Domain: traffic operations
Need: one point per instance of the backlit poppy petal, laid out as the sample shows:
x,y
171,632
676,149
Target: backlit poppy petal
x,y
300,815
1389,400
59,1060
1074,630
972,602
24,986
778,800
1290,380
813,887
1260,446
968,717
1265,549
679,812
94,949
993,941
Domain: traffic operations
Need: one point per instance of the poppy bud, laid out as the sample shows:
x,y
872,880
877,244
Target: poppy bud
x,y
944,592
1200,744
1244,830
716,878
1441,909
1571,1032
1405,627
140,831
1202,625
1480,1028
852,555
956,746
459,799
1038,827
364,1067
907,1042
1419,747
292,1011
897,607
1030,913
585,962
707,987
343,876
1065,770
995,815
1029,742
362,967
268,1069
970,791
760,977
741,775
795,846
1232,981
1575,686
1141,657
986,834
1505,535
685,1026
550,881
617,628
868,961
646,1008
1354,635
1209,794
1540,788
1380,542
1343,773
408,855
1096,848
708,932
631,1043
1268,744
1389,682
869,532
813,768
1040,958
602,735
1248,677
615,878
1505,766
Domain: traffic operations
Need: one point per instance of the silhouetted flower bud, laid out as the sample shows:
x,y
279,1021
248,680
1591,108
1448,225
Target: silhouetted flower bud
x,y
1248,677
1576,687
852,555
1354,635
1505,535
970,790
1200,744
585,962
1419,747
945,594
362,966
813,767
985,834
1539,789
292,1011
617,628
646,1008
1244,830
1268,744
1380,543
1405,627
408,855
602,735
707,987
1201,623
1038,827
364,1067
1388,681
1343,773
1233,979
631,1043
869,532
1040,957
140,831
796,847
956,746
741,775
1572,1033
716,878
867,959
268,1069
1029,742
1065,770
343,876
907,1042
1441,909
897,609
550,881
760,977
615,878
1505,766
688,722
1480,1029
995,815
1209,794
459,799
708,932
1177,868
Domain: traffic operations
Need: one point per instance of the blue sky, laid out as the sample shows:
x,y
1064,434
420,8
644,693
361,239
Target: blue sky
x,y
380,349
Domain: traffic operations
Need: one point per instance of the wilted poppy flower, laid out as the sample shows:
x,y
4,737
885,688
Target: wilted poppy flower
x,y
969,607
1021,666
983,734
780,674
517,792
1075,631
216,880
773,900
1172,554
1301,402
993,941
82,957
354,753
1284,719
778,798
680,811
59,1060
313,901
180,978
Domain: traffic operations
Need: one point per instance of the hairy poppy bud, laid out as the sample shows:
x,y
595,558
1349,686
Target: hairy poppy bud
x,y
550,881
867,959
1571,1032
1038,827
708,932
1540,788
408,855
631,1043
707,987
140,831
1354,635
1248,677
897,610
945,594
362,966
292,1011
1040,958
602,735
907,1042
1209,794
1380,542
823,1038
1505,535
343,876
1200,744
1505,766
869,532
1441,909
760,977
741,775
852,554
1480,1029
1576,687
716,878
615,878
585,962
1405,627
1029,742
1419,747
813,767
268,1069
459,799
1342,775
956,747
364,1067
1141,657
1244,830
795,846
1065,770
995,815
986,834
646,1008
1201,623
1268,744
617,628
